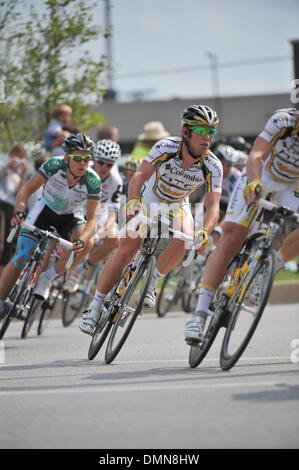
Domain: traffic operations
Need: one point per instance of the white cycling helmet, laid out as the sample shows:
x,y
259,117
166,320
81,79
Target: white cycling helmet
x,y
107,150
226,153
242,158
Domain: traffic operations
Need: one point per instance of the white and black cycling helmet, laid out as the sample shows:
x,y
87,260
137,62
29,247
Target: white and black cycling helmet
x,y
199,115
226,153
106,150
242,158
239,143
80,142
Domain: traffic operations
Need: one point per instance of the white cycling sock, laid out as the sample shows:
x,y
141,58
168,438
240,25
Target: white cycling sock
x,y
204,299
80,268
51,273
98,300
279,261
156,277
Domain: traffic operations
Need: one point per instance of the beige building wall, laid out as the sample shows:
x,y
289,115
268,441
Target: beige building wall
x,y
241,115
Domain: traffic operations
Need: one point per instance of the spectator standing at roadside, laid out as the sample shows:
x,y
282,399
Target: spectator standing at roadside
x,y
61,117
12,175
57,146
108,132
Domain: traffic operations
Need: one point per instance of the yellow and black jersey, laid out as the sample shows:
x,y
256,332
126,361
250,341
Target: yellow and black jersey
x,y
170,182
282,131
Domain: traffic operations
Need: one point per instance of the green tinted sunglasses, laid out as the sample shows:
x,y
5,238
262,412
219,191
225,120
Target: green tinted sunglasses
x,y
204,130
80,158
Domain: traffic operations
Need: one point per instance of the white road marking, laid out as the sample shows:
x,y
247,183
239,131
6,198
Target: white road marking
x,y
145,361
145,388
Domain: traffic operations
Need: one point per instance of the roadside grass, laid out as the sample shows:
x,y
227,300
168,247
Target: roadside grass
x,y
283,276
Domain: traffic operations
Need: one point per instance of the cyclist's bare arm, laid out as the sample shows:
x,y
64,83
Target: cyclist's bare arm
x,y
143,173
212,204
92,211
32,185
260,151
35,182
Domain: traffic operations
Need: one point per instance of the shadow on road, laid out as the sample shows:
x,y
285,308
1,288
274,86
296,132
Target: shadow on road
x,y
111,375
284,393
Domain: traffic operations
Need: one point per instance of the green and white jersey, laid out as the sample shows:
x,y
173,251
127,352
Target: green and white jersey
x,y
57,194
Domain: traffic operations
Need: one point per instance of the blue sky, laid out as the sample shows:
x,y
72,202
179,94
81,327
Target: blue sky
x,y
166,34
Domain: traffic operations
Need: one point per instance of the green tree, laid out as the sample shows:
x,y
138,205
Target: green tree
x,y
53,66
9,37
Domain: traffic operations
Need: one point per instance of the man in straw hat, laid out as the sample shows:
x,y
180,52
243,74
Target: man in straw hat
x,y
152,131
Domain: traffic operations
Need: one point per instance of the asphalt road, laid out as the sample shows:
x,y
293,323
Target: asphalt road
x,y
51,396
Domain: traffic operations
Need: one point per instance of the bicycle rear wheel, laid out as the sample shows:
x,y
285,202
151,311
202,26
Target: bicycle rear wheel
x,y
68,314
247,311
48,308
130,307
170,291
189,299
34,310
46,315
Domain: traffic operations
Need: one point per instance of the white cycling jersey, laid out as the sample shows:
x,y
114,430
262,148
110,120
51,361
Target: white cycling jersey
x,y
111,190
110,201
282,131
171,183
280,171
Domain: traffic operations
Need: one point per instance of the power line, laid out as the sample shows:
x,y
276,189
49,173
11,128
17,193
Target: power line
x,y
241,63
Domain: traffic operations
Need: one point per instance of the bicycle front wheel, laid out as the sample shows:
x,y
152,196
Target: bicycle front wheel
x,y
98,339
247,311
199,351
130,306
18,296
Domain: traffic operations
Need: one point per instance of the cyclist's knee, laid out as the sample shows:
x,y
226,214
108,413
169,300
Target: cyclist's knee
x,y
231,239
126,250
179,246
25,248
112,243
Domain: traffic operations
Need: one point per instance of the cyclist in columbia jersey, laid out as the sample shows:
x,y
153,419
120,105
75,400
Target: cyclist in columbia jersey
x,y
105,155
272,169
174,168
69,186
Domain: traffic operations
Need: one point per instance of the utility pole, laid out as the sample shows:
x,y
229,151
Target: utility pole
x,y
110,93
215,80
295,92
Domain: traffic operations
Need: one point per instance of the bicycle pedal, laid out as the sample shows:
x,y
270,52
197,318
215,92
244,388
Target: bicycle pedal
x,y
194,342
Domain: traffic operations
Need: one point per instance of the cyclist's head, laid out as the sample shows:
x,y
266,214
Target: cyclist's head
x,y
105,154
130,167
203,121
239,143
199,115
106,150
78,153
